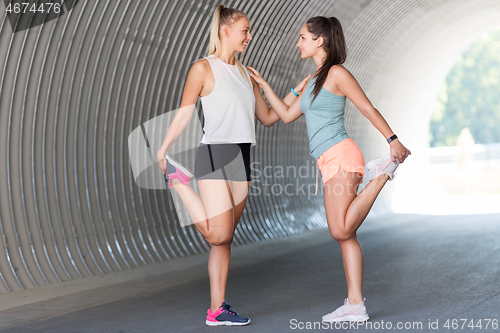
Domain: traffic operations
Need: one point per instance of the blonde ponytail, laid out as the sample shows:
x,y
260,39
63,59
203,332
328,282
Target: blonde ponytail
x,y
215,46
228,18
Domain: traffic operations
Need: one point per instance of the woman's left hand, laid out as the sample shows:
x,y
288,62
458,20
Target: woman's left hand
x,y
256,76
399,151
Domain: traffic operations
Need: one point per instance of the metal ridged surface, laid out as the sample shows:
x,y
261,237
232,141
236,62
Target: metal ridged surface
x,y
72,90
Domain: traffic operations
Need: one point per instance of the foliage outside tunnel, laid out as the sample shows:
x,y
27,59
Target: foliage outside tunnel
x,y
470,96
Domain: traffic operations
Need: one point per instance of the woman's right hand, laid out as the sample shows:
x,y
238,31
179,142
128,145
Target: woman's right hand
x,y
162,161
398,151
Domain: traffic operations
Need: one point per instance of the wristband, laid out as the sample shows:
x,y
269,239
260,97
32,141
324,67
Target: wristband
x,y
294,92
392,138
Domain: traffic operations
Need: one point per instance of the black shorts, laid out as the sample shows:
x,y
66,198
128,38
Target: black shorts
x,y
229,161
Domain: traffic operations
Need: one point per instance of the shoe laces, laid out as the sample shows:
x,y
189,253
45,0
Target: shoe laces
x,y
227,308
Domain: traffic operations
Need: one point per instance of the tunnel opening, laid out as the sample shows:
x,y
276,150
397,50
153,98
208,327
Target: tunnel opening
x,y
463,170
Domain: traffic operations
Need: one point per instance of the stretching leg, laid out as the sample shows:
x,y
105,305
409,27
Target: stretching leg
x,y
215,207
346,209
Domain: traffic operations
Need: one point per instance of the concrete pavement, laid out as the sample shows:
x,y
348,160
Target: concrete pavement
x,y
418,270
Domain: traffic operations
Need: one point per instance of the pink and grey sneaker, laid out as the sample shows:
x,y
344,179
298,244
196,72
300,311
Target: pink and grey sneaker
x,y
224,316
382,165
177,170
348,312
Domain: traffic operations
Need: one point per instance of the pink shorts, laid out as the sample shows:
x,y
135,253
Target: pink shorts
x,y
346,154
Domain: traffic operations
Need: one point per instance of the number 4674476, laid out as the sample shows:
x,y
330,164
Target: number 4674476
x,y
48,7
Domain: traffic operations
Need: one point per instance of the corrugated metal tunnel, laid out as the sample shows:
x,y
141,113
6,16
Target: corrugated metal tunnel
x,y
74,87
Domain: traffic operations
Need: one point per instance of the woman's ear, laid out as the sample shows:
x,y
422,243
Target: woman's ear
x,y
225,31
319,41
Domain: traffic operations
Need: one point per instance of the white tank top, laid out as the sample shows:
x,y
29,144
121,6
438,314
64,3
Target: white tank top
x,y
229,109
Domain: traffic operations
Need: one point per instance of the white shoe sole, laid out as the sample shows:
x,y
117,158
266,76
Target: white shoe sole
x,y
348,318
179,166
225,323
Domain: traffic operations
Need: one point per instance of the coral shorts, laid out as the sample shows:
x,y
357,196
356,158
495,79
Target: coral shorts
x,y
346,154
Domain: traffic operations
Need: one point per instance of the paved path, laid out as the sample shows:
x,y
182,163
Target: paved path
x,y
417,269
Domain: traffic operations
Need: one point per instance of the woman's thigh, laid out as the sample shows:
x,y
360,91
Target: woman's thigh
x,y
215,195
339,192
239,191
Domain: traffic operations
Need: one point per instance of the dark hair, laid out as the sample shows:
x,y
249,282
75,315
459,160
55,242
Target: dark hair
x,y
333,42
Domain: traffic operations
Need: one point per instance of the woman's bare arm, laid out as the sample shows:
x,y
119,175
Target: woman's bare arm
x,y
343,80
192,89
266,115
287,113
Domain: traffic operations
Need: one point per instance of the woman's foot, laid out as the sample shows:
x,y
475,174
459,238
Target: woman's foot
x,y
224,316
177,170
382,165
348,312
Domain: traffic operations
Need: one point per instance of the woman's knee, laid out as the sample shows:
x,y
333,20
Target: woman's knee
x,y
218,240
342,234
337,228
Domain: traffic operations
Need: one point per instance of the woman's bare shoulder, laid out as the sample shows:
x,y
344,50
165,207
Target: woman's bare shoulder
x,y
339,73
338,70
200,67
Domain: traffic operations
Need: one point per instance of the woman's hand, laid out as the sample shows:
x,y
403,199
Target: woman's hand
x,y
298,88
162,161
256,76
399,151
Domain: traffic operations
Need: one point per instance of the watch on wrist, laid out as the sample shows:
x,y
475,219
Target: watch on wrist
x,y
392,138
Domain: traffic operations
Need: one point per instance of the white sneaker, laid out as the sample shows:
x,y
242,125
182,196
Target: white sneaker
x,y
382,165
348,312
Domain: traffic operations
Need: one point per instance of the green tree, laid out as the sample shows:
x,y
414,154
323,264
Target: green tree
x,y
470,96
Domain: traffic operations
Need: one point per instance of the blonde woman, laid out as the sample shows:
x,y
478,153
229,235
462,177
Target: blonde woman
x,y
231,100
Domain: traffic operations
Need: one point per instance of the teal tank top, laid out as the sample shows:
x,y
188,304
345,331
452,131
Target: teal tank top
x,y
324,119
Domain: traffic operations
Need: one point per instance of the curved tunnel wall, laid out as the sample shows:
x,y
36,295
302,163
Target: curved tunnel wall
x,y
72,90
